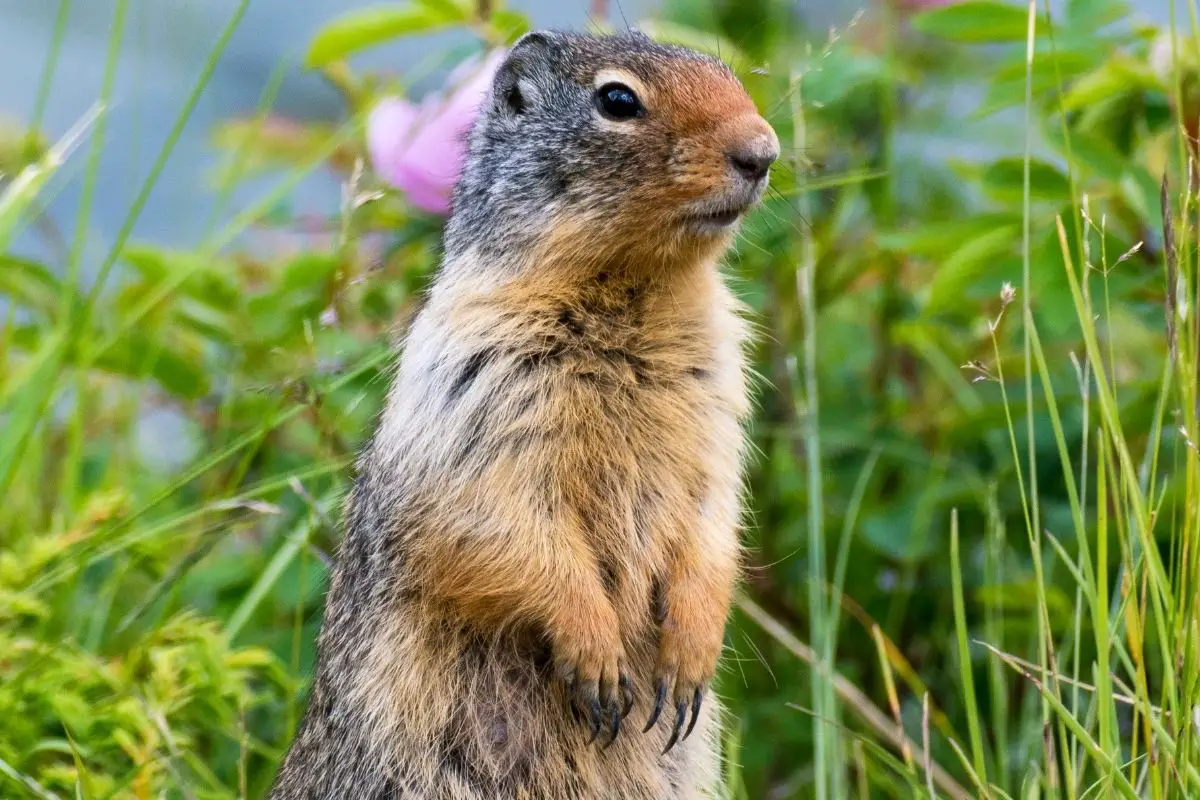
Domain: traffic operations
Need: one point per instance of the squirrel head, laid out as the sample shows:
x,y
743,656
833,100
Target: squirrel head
x,y
609,148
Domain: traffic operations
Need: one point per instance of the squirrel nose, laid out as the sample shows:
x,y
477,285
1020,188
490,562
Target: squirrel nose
x,y
752,158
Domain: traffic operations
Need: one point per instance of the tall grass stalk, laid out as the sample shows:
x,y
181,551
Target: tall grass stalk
x,y
964,656
87,193
69,473
164,155
46,81
19,195
857,703
1032,517
828,773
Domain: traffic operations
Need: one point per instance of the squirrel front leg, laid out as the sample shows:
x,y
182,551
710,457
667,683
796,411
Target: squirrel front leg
x,y
588,652
694,606
546,577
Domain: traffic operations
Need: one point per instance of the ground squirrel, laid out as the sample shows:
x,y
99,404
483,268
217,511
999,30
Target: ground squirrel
x,y
543,533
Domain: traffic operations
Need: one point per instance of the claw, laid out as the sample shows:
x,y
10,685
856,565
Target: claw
x,y
594,715
696,701
616,728
626,694
680,715
660,697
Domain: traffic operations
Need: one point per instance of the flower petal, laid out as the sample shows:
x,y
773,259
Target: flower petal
x,y
389,134
422,191
422,150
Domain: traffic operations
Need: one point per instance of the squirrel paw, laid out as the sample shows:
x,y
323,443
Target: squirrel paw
x,y
685,695
687,658
599,692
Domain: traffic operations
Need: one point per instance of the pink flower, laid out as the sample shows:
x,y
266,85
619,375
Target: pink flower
x,y
420,149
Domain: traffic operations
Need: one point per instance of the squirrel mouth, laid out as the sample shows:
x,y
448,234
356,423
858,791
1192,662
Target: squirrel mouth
x,y
717,220
717,216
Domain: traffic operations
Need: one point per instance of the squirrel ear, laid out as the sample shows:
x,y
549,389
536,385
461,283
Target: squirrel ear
x,y
513,86
540,38
510,90
510,97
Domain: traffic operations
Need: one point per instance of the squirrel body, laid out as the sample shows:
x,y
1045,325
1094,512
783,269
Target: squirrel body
x,y
542,537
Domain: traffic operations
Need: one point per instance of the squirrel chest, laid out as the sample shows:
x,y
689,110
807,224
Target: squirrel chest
x,y
615,400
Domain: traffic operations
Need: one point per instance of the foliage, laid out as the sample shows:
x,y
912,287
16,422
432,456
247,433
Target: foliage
x,y
972,553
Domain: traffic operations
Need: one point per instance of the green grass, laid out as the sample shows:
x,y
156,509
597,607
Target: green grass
x,y
976,582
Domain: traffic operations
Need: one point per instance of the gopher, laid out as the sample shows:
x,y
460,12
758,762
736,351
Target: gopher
x,y
542,537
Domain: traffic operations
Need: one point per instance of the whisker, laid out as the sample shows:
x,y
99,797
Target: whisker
x,y
621,11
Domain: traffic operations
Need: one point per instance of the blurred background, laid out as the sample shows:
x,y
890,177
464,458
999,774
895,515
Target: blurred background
x,y
971,553
167,45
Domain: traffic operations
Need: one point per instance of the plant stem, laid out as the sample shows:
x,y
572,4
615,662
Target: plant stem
x,y
820,622
48,68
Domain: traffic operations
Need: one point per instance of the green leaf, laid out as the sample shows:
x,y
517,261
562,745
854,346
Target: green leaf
x,y
966,265
19,194
209,320
1118,76
844,79
19,148
1020,597
177,370
210,280
23,403
1049,66
463,10
1051,71
1141,191
308,271
293,543
975,21
29,284
180,375
1090,15
1005,180
938,238
368,27
893,530
819,183
1093,153
511,25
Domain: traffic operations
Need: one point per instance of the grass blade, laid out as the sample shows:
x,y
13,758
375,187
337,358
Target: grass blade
x,y
964,656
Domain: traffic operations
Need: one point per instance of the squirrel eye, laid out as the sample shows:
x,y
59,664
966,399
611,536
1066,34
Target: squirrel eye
x,y
617,101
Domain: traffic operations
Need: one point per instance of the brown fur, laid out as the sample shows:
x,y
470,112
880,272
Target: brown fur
x,y
551,502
